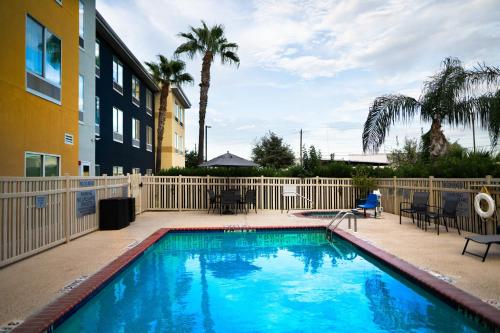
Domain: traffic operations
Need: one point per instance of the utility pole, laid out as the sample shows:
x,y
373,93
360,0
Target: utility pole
x,y
300,157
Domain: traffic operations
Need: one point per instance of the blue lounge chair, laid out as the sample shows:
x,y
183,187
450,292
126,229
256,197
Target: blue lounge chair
x,y
370,203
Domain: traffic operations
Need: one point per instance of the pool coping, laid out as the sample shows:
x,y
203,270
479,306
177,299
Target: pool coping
x,y
302,214
58,310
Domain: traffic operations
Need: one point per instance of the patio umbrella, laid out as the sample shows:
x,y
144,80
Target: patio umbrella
x,y
229,160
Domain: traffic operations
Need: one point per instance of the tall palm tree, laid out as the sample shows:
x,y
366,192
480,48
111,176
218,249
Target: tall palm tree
x,y
208,43
166,73
454,96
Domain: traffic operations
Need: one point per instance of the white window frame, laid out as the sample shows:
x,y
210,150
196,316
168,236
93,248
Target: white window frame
x,y
149,138
42,77
136,130
43,162
118,134
118,84
81,24
119,170
81,108
136,100
97,54
97,111
149,97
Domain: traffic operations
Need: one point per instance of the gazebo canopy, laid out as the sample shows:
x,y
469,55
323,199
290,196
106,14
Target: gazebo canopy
x,y
229,160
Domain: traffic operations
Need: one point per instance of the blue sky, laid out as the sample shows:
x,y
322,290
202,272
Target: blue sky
x,y
312,64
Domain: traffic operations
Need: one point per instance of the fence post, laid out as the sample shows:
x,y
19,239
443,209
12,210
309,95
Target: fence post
x,y
179,193
66,220
261,195
431,193
395,195
488,179
106,192
316,206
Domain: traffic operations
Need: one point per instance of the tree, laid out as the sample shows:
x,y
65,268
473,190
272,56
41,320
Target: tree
x,y
409,154
271,151
191,159
208,43
450,96
166,73
311,160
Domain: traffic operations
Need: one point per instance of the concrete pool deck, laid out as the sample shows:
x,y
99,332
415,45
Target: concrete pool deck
x,y
28,285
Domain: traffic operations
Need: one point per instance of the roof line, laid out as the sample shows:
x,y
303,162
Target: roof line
x,y
179,93
132,60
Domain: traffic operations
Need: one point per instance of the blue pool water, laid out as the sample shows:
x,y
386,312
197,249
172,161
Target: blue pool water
x,y
264,281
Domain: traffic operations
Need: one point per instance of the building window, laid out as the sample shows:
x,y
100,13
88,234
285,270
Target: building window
x,y
41,165
136,91
181,116
181,144
117,171
176,112
81,40
149,138
43,61
149,102
97,116
136,170
176,142
80,98
149,172
136,133
97,58
97,170
117,125
117,75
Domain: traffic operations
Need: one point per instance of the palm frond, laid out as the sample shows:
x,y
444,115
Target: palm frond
x,y
384,112
488,111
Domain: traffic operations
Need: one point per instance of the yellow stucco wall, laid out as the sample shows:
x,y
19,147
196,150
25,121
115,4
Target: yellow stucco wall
x,y
29,122
170,158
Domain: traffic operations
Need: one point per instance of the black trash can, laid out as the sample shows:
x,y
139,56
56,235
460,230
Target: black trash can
x,y
114,213
131,209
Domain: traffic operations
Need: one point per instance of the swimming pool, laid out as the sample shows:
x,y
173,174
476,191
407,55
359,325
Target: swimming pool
x,y
263,281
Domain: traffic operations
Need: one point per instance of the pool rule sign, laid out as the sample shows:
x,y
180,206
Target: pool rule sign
x,y
85,200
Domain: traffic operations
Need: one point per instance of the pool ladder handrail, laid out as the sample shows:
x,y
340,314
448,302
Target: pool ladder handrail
x,y
339,218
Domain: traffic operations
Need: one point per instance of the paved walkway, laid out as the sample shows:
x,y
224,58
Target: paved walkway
x,y
28,285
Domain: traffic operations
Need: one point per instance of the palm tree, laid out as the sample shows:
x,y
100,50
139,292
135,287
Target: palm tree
x,y
166,73
455,96
208,43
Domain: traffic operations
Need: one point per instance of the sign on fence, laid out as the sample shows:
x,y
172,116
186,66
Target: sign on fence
x,y
41,201
461,197
85,200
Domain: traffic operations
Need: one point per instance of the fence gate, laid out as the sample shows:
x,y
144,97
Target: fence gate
x,y
135,191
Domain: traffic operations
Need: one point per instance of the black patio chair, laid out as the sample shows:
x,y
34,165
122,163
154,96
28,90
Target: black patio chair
x,y
228,199
448,211
249,199
417,207
212,200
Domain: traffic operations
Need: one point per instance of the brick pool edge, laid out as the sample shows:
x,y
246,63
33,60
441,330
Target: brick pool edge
x,y
65,305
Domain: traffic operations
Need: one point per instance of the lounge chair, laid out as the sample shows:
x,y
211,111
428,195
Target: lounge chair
x,y
481,239
371,202
228,199
212,201
417,207
448,211
249,200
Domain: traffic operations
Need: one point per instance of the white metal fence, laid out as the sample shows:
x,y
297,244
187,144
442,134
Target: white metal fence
x,y
39,213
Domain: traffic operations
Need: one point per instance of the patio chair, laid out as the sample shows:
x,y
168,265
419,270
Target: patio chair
x,y
417,207
212,200
249,200
448,211
371,202
228,199
481,239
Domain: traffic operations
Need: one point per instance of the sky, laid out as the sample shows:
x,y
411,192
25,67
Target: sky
x,y
314,65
